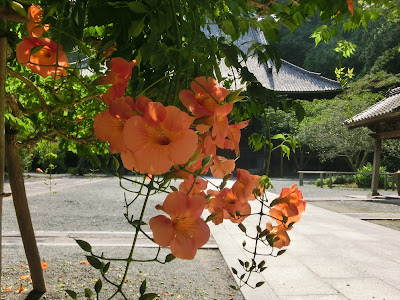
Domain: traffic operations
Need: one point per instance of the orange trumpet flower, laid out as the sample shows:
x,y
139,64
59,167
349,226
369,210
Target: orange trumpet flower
x,y
40,55
184,232
160,138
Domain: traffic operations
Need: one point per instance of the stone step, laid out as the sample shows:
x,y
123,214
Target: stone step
x,y
104,239
374,216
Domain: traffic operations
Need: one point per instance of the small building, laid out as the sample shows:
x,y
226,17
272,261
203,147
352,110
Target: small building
x,y
383,119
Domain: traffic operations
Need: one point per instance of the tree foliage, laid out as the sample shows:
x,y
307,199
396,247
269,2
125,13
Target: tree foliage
x,y
168,40
381,35
322,130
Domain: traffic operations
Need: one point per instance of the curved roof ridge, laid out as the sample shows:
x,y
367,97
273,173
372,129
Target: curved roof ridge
x,y
385,106
392,92
308,72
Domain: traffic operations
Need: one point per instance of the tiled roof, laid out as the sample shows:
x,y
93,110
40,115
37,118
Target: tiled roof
x,y
290,78
388,105
82,64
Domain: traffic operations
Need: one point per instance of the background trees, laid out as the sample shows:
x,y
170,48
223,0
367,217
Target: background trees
x,y
168,41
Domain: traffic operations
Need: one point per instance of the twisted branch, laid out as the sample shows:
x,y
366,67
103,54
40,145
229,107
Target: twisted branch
x,y
31,85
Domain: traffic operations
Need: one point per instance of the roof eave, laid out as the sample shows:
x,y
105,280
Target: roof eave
x,y
310,95
370,121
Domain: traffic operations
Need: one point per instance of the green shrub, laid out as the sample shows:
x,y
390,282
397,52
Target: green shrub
x,y
49,154
365,180
389,61
343,179
73,170
338,179
26,159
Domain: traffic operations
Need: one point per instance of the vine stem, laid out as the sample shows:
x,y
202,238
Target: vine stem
x,y
269,139
129,259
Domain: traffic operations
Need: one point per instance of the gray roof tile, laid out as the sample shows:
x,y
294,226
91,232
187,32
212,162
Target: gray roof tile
x,y
290,77
386,106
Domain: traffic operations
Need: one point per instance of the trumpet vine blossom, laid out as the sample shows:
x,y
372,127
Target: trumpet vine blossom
x,y
33,27
160,138
184,232
43,56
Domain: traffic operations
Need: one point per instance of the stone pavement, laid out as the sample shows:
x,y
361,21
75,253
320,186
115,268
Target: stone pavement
x,y
331,256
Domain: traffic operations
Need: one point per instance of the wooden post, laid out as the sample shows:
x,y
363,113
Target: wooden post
x,y
397,180
385,182
375,170
20,200
320,179
393,181
330,180
300,178
3,75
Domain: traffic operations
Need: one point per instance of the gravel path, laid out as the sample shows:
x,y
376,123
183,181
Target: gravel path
x,y
94,206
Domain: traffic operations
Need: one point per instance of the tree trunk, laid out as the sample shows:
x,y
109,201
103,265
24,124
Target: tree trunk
x,y
3,63
22,210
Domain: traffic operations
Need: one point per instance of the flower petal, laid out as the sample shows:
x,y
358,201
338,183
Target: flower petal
x,y
183,246
163,230
109,129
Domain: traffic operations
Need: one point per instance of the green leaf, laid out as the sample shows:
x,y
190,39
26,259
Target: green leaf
x,y
263,233
285,219
278,137
136,223
138,7
255,141
281,252
94,262
261,264
297,18
106,267
95,160
234,96
148,296
88,293
18,8
173,188
258,284
274,202
242,227
85,49
84,245
136,28
225,180
234,271
98,285
205,161
285,150
72,294
169,257
115,163
36,49
234,287
142,287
